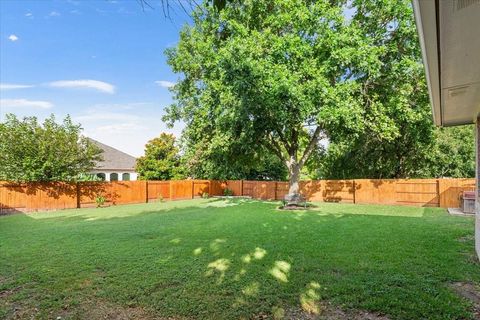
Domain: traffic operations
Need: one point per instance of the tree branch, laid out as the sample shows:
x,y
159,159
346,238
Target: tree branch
x,y
287,145
276,148
311,146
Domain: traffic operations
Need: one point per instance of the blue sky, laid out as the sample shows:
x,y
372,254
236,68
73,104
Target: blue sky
x,y
100,61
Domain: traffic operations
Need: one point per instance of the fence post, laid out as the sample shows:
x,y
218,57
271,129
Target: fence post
x,y
241,187
78,194
193,186
438,190
354,191
441,193
146,191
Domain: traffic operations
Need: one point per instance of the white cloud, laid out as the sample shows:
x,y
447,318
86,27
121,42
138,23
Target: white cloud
x,y
13,38
119,128
121,106
29,15
122,126
99,116
11,86
24,103
90,84
54,14
165,84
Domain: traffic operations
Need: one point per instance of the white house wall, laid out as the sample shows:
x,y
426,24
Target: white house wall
x,y
133,175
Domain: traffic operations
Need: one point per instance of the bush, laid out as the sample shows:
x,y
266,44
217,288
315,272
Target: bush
x,y
227,192
160,198
205,195
100,200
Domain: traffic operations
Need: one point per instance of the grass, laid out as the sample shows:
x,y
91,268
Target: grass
x,y
219,259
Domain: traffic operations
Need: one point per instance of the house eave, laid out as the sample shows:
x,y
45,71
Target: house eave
x,y
448,34
426,20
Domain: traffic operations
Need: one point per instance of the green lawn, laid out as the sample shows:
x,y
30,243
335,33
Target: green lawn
x,y
240,259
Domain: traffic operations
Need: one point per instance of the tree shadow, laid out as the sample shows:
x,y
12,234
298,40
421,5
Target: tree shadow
x,y
329,190
410,192
6,210
39,195
34,196
89,191
257,267
131,210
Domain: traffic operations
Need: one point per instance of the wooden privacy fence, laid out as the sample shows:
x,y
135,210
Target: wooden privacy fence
x,y
443,193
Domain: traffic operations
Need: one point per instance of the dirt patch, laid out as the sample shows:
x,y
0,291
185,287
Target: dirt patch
x,y
17,310
471,257
467,238
470,292
297,206
105,310
4,294
293,207
299,314
87,310
337,314
328,312
21,312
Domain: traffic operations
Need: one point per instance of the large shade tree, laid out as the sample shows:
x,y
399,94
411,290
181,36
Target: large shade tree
x,y
212,161
48,151
449,153
278,75
398,138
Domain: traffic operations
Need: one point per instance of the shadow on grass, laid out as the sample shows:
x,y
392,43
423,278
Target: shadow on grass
x,y
314,209
135,210
232,258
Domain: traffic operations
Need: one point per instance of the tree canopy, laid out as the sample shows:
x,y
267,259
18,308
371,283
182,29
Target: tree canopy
x,y
400,140
399,132
216,163
30,151
277,75
453,153
263,78
450,153
161,160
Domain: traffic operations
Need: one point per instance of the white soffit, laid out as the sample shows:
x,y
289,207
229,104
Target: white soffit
x,y
449,32
425,19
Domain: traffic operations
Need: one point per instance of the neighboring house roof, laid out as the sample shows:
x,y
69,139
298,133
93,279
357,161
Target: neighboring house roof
x,y
114,159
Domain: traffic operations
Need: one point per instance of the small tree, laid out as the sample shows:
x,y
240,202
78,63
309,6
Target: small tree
x,y
161,160
30,151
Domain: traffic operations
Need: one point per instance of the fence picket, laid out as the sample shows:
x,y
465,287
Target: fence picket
x,y
24,197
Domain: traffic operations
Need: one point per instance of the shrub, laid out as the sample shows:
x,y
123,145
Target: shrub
x,y
100,200
205,195
227,192
160,198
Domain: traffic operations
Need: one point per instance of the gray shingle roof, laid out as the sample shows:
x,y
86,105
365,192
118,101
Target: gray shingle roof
x,y
113,159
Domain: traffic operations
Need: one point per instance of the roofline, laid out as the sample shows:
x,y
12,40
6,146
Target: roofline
x,y
117,150
427,21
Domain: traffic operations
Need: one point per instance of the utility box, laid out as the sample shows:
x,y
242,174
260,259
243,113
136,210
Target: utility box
x,y
468,202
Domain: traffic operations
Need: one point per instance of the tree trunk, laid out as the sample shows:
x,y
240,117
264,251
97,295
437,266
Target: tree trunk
x,y
294,178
